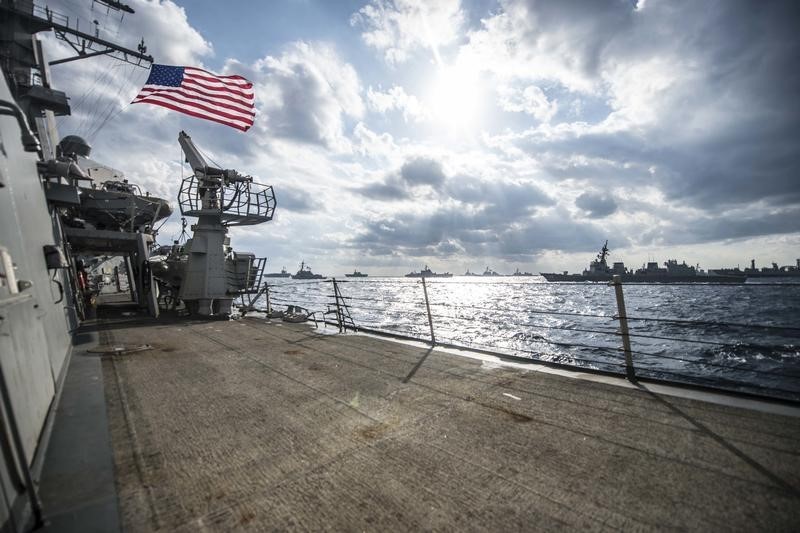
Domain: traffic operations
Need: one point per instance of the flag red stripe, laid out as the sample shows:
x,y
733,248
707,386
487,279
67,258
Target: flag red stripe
x,y
233,124
211,110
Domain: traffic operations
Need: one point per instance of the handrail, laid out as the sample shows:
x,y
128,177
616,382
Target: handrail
x,y
387,306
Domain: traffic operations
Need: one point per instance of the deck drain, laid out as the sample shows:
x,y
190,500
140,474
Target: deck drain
x,y
119,349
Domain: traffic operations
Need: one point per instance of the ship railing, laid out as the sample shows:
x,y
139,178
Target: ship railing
x,y
240,203
693,352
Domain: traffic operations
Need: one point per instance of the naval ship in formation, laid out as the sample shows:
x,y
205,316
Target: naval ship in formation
x,y
672,272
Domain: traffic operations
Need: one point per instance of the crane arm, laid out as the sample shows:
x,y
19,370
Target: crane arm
x,y
193,156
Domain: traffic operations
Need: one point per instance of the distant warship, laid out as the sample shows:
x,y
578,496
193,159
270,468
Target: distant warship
x,y
673,272
428,273
305,273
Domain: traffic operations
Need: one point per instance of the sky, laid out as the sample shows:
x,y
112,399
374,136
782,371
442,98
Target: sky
x,y
466,134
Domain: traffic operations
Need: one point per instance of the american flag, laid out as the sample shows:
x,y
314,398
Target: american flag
x,y
196,92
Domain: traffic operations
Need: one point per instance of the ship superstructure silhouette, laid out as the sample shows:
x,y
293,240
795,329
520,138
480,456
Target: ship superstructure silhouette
x,y
671,272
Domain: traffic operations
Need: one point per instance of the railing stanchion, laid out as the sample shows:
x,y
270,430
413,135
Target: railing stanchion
x,y
269,305
428,307
339,320
622,316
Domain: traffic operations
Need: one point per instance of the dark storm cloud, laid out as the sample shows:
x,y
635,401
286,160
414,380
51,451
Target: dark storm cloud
x,y
596,205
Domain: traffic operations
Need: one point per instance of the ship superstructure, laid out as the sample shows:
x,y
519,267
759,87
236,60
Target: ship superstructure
x,y
45,244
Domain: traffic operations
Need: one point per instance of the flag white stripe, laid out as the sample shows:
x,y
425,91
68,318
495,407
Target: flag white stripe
x,y
214,85
237,80
152,89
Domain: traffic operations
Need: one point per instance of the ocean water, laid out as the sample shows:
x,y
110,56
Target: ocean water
x,y
740,337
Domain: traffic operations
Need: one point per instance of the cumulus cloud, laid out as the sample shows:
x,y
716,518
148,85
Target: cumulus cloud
x,y
530,99
399,27
305,94
395,98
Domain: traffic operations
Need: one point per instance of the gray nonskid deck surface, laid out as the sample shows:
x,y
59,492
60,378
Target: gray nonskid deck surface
x,y
251,425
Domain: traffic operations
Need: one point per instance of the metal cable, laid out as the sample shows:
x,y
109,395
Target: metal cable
x,y
423,313
305,282
532,312
500,322
695,341
711,323
381,300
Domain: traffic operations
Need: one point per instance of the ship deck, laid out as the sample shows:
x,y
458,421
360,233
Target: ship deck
x,y
250,424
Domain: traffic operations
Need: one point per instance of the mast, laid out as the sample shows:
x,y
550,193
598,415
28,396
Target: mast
x,y
601,257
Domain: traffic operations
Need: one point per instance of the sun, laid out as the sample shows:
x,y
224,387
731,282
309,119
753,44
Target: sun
x,y
454,96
